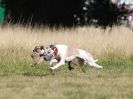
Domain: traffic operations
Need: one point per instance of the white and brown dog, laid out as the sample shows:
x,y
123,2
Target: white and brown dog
x,y
39,57
68,54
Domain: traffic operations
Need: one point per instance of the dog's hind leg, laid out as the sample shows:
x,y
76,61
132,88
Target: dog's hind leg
x,y
82,68
81,63
69,65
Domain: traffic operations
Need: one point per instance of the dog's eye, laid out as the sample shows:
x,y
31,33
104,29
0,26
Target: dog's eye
x,y
48,52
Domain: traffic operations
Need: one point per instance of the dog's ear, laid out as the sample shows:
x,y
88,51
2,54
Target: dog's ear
x,y
34,50
35,46
52,46
41,47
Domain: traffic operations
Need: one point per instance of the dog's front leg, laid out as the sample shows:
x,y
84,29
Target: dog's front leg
x,y
52,62
62,62
38,63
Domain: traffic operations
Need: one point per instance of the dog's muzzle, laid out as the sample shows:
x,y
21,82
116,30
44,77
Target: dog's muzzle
x,y
47,57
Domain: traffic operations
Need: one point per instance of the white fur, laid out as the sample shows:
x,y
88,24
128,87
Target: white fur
x,y
62,51
42,51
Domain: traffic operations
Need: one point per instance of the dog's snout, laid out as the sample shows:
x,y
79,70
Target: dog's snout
x,y
44,54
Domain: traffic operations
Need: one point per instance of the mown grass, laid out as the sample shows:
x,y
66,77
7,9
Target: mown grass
x,y
18,80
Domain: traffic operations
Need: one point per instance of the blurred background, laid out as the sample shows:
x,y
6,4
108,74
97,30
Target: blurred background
x,y
67,12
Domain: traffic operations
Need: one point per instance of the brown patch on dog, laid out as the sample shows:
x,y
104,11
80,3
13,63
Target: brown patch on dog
x,y
38,49
35,56
77,61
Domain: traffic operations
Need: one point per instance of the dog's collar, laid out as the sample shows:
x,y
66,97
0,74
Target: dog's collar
x,y
55,51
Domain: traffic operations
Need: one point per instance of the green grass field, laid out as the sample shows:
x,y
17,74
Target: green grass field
x,y
18,80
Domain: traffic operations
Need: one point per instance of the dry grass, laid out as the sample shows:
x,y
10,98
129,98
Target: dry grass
x,y
114,48
95,40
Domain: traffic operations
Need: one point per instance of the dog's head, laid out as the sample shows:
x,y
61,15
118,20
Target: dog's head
x,y
47,52
50,51
39,49
42,51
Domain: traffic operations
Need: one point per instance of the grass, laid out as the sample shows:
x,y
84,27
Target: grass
x,y
95,84
113,47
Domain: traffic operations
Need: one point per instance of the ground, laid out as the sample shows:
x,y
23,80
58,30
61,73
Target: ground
x,y
95,84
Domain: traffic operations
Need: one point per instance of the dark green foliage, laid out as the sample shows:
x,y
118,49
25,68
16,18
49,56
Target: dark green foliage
x,y
61,12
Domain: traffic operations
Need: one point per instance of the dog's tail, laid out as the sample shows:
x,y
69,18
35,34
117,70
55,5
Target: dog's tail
x,y
91,58
93,61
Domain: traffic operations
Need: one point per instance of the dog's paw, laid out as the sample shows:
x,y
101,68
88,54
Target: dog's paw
x,y
31,65
52,70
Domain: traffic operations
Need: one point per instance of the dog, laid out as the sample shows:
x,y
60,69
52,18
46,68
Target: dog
x,y
68,54
38,56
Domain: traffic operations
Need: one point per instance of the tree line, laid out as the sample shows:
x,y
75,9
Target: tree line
x,y
61,12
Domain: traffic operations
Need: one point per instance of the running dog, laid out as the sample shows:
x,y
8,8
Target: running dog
x,y
68,54
39,57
